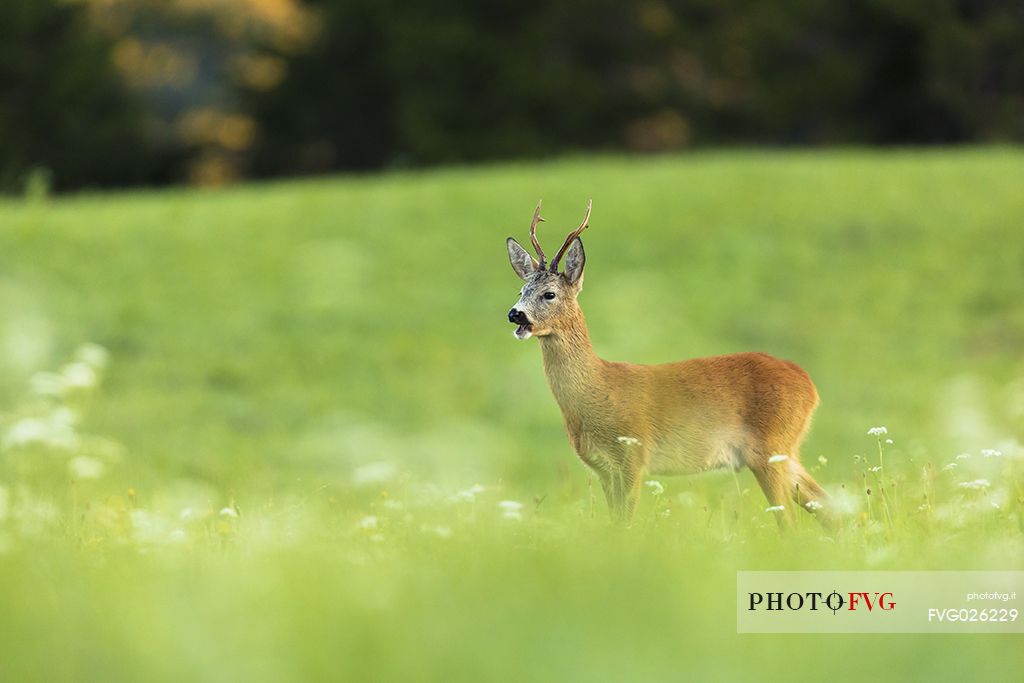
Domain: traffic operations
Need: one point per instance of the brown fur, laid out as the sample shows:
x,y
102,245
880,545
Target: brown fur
x,y
686,417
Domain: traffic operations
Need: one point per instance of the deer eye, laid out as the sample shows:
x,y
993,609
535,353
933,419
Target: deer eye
x,y
549,295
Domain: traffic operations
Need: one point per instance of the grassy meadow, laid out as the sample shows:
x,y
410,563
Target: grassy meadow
x,y
283,432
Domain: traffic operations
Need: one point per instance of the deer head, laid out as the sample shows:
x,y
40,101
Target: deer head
x,y
548,297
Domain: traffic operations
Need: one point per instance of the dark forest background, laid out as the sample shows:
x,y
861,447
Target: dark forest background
x,y
97,93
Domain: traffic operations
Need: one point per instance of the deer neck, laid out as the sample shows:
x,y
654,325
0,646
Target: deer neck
x,y
574,371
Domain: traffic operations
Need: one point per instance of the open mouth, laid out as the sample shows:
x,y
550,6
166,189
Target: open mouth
x,y
524,331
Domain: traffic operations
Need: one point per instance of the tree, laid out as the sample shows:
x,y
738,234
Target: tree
x,y
63,107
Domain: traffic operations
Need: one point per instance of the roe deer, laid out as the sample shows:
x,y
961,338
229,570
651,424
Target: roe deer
x,y
625,421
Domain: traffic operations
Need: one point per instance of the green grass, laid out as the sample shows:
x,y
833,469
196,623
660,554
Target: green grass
x,y
330,361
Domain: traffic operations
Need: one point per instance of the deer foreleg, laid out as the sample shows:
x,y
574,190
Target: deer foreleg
x,y
621,484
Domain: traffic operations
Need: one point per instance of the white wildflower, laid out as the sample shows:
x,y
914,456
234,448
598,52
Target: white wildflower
x,y
775,508
976,485
995,504
56,430
889,441
468,495
84,467
991,453
813,505
878,431
93,355
145,527
511,509
778,457
667,512
822,460
78,375
187,514
655,486
374,473
228,512
949,468
63,417
368,522
47,384
876,468
26,431
153,528
963,456
628,440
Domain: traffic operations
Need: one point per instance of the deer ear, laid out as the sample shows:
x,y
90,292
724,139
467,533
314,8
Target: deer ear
x,y
575,258
522,262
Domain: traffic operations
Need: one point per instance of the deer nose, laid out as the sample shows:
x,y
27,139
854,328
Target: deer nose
x,y
517,316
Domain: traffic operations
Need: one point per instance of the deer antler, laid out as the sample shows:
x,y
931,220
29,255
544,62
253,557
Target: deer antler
x,y
533,234
573,235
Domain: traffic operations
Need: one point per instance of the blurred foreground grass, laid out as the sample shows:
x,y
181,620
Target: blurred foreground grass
x,y
283,432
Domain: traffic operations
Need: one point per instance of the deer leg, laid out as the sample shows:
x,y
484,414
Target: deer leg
x,y
608,486
611,482
633,469
774,481
809,495
621,483
632,495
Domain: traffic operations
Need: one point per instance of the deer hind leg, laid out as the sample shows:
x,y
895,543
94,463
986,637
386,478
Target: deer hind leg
x,y
777,489
808,494
787,483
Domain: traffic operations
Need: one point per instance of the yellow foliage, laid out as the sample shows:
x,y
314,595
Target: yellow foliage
x,y
665,130
213,170
259,72
207,126
153,64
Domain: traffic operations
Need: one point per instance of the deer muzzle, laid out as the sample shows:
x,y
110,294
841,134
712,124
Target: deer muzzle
x,y
518,318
